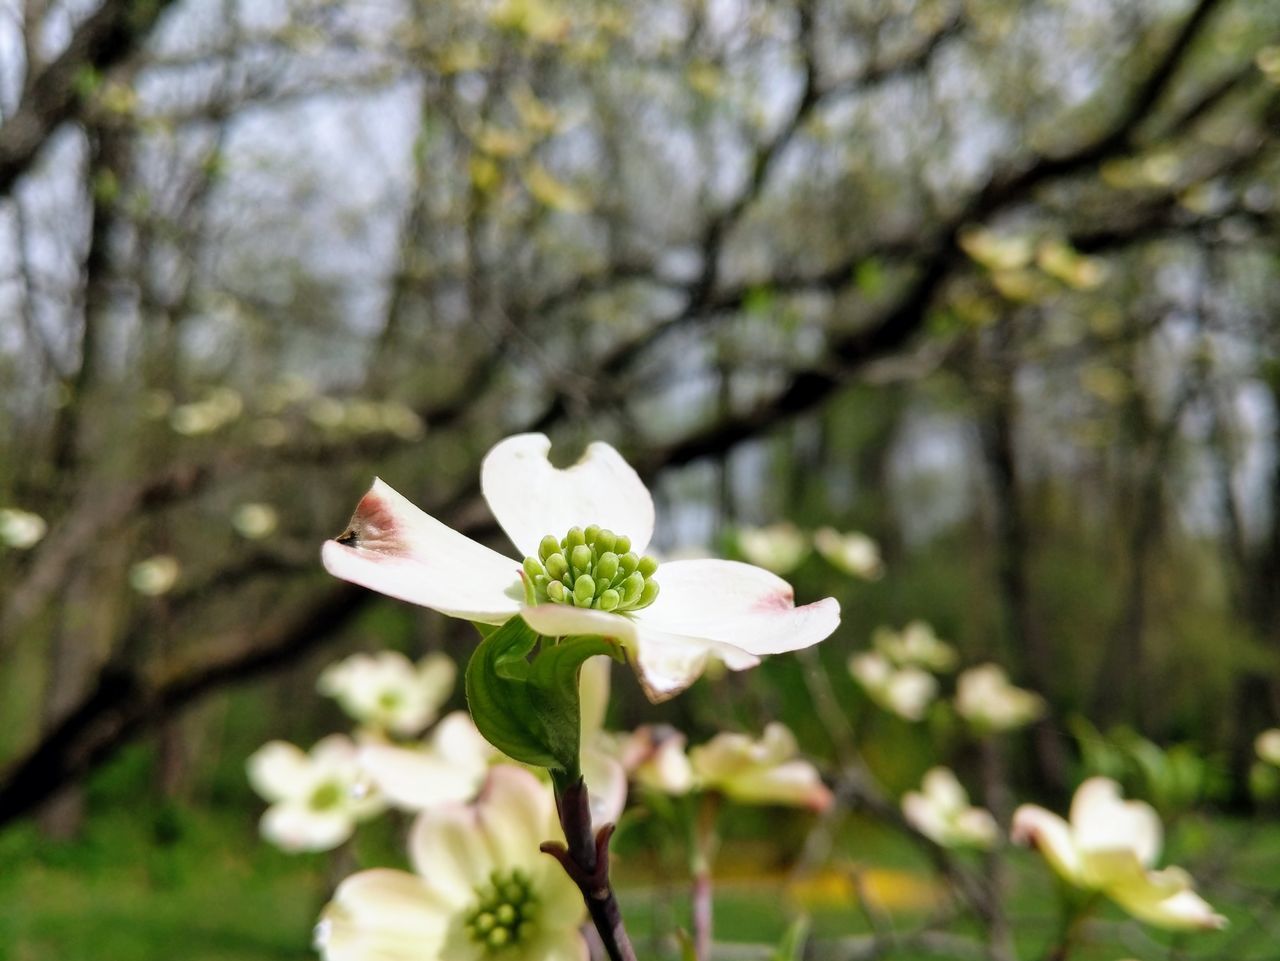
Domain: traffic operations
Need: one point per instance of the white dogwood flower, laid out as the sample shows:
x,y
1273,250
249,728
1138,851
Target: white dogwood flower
x,y
388,692
316,798
778,547
1111,846
654,756
1267,744
766,771
941,812
581,531
854,553
21,529
905,691
915,645
480,887
986,699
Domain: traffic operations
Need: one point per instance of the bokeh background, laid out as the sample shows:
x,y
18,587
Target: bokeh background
x,y
992,281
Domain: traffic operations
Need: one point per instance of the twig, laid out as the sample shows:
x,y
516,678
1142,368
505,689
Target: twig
x,y
586,860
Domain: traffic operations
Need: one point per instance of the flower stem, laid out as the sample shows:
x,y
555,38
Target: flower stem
x,y
586,860
704,845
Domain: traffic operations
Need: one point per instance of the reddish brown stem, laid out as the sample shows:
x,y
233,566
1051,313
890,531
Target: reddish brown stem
x,y
586,860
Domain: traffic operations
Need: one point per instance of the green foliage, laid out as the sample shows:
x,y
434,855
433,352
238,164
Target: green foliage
x,y
527,706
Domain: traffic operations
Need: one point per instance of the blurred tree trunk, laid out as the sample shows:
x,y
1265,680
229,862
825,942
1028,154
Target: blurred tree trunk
x,y
1015,549
82,627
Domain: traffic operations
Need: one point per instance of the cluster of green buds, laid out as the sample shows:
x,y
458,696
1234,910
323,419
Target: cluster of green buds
x,y
591,568
504,914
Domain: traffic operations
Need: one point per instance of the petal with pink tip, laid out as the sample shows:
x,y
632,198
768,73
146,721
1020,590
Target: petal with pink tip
x,y
392,547
531,498
738,604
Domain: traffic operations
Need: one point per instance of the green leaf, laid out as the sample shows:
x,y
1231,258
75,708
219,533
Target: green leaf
x,y
791,948
530,709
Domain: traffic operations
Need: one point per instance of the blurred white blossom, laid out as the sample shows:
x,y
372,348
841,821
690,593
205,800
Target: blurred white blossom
x,y
905,691
21,529
915,645
1267,744
779,547
854,553
479,886
941,812
449,767
1111,846
155,576
255,521
388,692
655,758
316,798
986,699
766,771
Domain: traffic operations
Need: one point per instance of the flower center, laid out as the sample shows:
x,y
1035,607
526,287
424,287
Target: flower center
x,y
591,568
504,912
327,796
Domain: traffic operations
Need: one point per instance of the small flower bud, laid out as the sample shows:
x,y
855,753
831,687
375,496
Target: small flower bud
x,y
621,544
506,914
632,588
581,559
606,567
649,594
533,568
584,590
591,533
628,562
574,538
484,923
608,600
498,937
557,566
556,592
647,566
548,546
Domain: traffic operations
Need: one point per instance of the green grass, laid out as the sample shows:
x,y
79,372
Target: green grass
x,y
155,882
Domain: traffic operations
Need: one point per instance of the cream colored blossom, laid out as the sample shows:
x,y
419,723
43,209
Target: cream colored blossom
x,y
941,812
778,547
655,758
155,576
766,771
450,766
255,521
854,553
480,887
1267,744
915,645
21,529
387,691
316,798
986,699
905,691
1111,845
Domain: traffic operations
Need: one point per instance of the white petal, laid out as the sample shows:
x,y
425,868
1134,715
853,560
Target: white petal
x,y
737,604
1102,821
593,683
297,827
923,815
516,813
1165,899
1051,836
384,915
945,790
416,779
280,770
794,784
531,499
562,943
666,662
606,781
394,548
448,851
457,739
